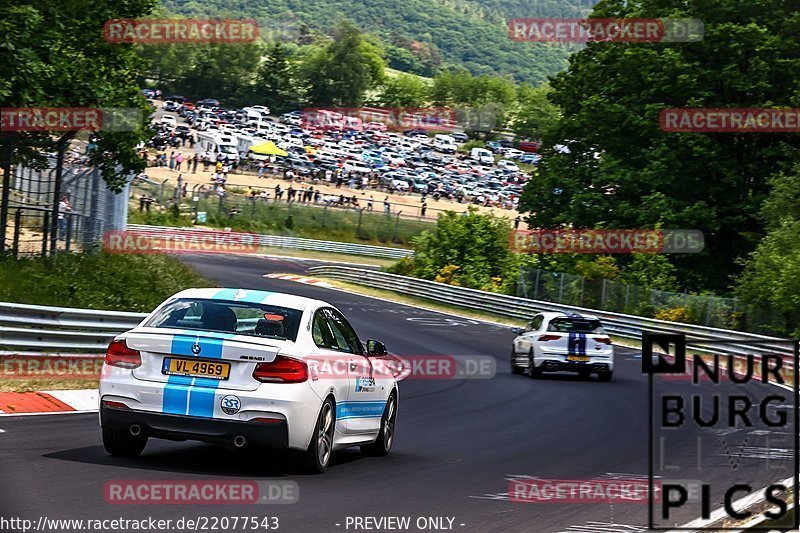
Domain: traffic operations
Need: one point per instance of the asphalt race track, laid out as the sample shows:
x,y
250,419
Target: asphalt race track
x,y
457,445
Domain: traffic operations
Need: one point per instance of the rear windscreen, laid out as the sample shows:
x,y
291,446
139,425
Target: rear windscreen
x,y
241,318
576,325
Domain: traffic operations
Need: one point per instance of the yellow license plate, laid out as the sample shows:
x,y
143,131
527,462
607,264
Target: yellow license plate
x,y
196,368
578,358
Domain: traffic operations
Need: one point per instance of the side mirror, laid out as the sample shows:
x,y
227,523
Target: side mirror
x,y
376,348
517,331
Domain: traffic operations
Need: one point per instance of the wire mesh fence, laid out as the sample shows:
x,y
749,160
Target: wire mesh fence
x,y
618,297
331,217
40,224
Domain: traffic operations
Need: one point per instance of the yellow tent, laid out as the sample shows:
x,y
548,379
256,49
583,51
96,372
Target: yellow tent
x,y
268,148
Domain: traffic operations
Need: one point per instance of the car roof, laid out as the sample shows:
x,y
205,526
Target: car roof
x,y
557,314
252,296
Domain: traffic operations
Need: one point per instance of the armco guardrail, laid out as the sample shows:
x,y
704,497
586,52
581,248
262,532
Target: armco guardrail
x,y
296,243
42,328
700,338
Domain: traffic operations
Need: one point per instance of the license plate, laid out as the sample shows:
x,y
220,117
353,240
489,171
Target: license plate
x,y
578,358
196,369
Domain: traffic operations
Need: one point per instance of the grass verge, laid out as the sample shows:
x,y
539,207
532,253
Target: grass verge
x,y
327,256
96,280
39,384
296,220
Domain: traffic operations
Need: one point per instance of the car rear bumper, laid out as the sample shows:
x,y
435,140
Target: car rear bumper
x,y
550,365
274,434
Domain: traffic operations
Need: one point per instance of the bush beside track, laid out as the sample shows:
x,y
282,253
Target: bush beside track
x,y
96,280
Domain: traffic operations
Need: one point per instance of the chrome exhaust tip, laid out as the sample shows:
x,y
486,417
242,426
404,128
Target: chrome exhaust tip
x,y
239,441
136,430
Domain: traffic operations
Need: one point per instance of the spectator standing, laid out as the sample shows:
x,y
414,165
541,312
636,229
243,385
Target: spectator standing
x,y
423,209
172,160
195,160
178,161
386,205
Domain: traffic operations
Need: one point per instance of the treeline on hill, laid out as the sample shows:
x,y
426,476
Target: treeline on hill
x,y
607,164
419,36
347,69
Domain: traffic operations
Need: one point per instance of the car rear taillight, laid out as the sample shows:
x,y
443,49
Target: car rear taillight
x,y
603,340
545,338
281,370
118,354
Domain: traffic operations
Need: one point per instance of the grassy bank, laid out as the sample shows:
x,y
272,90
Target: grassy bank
x,y
296,220
96,281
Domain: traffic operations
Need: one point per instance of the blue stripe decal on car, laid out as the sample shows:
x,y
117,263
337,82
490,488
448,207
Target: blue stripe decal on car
x,y
360,409
242,295
176,395
201,397
210,348
571,343
179,393
581,343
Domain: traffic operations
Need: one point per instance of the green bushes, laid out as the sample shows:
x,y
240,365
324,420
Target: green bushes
x,y
467,249
96,280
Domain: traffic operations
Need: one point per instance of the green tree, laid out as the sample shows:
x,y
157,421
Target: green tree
x,y
771,278
606,161
277,85
534,111
57,56
467,249
341,73
404,90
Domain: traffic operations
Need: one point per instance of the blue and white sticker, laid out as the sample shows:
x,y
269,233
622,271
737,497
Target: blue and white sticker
x,y
230,404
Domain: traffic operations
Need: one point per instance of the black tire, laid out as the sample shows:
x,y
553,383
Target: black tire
x,y
383,444
317,457
533,372
605,376
514,368
120,443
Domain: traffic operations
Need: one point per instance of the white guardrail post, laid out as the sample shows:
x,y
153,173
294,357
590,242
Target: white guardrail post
x,y
700,338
